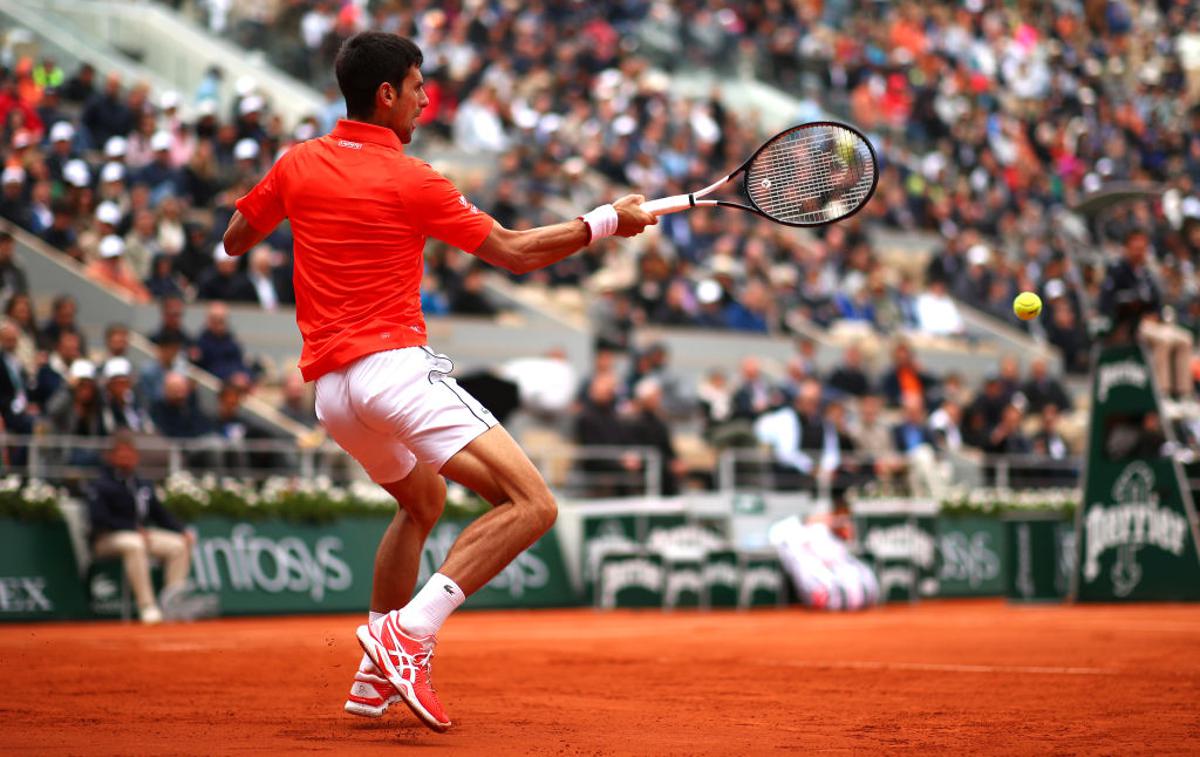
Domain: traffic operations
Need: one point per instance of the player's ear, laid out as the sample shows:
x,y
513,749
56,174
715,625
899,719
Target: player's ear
x,y
386,95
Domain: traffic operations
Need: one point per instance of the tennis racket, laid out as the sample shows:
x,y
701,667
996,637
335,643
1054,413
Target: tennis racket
x,y
809,175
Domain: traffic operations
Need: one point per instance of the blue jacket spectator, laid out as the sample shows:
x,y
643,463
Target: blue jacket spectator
x,y
217,350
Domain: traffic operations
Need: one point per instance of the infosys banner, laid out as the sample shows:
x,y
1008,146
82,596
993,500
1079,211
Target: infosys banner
x,y
1137,529
261,567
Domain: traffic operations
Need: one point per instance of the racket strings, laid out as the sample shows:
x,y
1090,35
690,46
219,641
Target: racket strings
x,y
812,174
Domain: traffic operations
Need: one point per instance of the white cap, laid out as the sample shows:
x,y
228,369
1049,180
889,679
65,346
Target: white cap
x,y
168,100
116,367
206,108
108,212
1190,207
13,175
244,85
1055,289
161,140
83,369
708,291
245,149
978,254
115,147
112,172
76,173
62,132
21,139
112,246
219,254
250,104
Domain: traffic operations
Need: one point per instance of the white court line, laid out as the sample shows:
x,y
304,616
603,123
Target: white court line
x,y
947,667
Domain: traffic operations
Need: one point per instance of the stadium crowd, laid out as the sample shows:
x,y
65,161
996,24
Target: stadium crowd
x,y
990,118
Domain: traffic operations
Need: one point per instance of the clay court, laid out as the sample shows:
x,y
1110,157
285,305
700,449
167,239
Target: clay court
x,y
978,676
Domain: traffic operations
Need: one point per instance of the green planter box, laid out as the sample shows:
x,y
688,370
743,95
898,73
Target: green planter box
x,y
39,579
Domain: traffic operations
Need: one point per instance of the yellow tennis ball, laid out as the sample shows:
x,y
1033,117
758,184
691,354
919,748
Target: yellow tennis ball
x,y
1027,306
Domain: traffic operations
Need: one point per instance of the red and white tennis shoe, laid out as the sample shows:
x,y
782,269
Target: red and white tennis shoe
x,y
371,694
404,662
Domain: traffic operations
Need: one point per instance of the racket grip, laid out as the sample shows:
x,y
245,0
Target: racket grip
x,y
672,204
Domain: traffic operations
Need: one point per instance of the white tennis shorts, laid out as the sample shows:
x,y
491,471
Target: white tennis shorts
x,y
391,409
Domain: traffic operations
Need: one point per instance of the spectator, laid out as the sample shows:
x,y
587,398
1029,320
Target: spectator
x,y
296,402
912,432
1068,335
18,310
598,425
52,374
874,440
946,425
111,270
716,403
271,283
120,407
16,410
225,282
141,243
61,235
755,395
177,414
796,434
1007,438
753,311
218,350
1048,442
647,429
936,312
163,281
106,115
1041,389
171,312
12,275
907,379
234,430
77,409
471,299
168,357
849,378
13,206
116,343
989,404
127,520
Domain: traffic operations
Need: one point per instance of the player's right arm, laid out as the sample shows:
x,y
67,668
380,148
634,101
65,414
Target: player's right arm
x,y
437,209
531,249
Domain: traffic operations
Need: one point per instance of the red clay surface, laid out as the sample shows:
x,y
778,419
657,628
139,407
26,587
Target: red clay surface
x,y
939,676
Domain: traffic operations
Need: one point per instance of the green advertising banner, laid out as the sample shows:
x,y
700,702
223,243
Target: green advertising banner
x,y
894,541
1137,528
275,566
971,555
630,579
38,576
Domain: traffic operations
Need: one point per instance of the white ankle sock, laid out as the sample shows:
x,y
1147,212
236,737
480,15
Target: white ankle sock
x,y
427,611
366,665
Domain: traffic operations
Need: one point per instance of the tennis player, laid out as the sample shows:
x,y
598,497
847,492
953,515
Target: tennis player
x,y
360,210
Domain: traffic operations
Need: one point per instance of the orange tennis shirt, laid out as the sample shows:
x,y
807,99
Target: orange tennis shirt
x,y
360,211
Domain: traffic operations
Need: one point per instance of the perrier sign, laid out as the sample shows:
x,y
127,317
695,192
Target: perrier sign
x,y
1137,529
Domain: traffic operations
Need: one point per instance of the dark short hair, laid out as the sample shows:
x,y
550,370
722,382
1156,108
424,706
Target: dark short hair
x,y
369,59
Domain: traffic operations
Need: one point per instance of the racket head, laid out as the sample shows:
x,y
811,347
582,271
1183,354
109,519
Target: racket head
x,y
812,174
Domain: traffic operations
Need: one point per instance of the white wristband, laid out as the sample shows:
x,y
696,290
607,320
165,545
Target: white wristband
x,y
601,222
